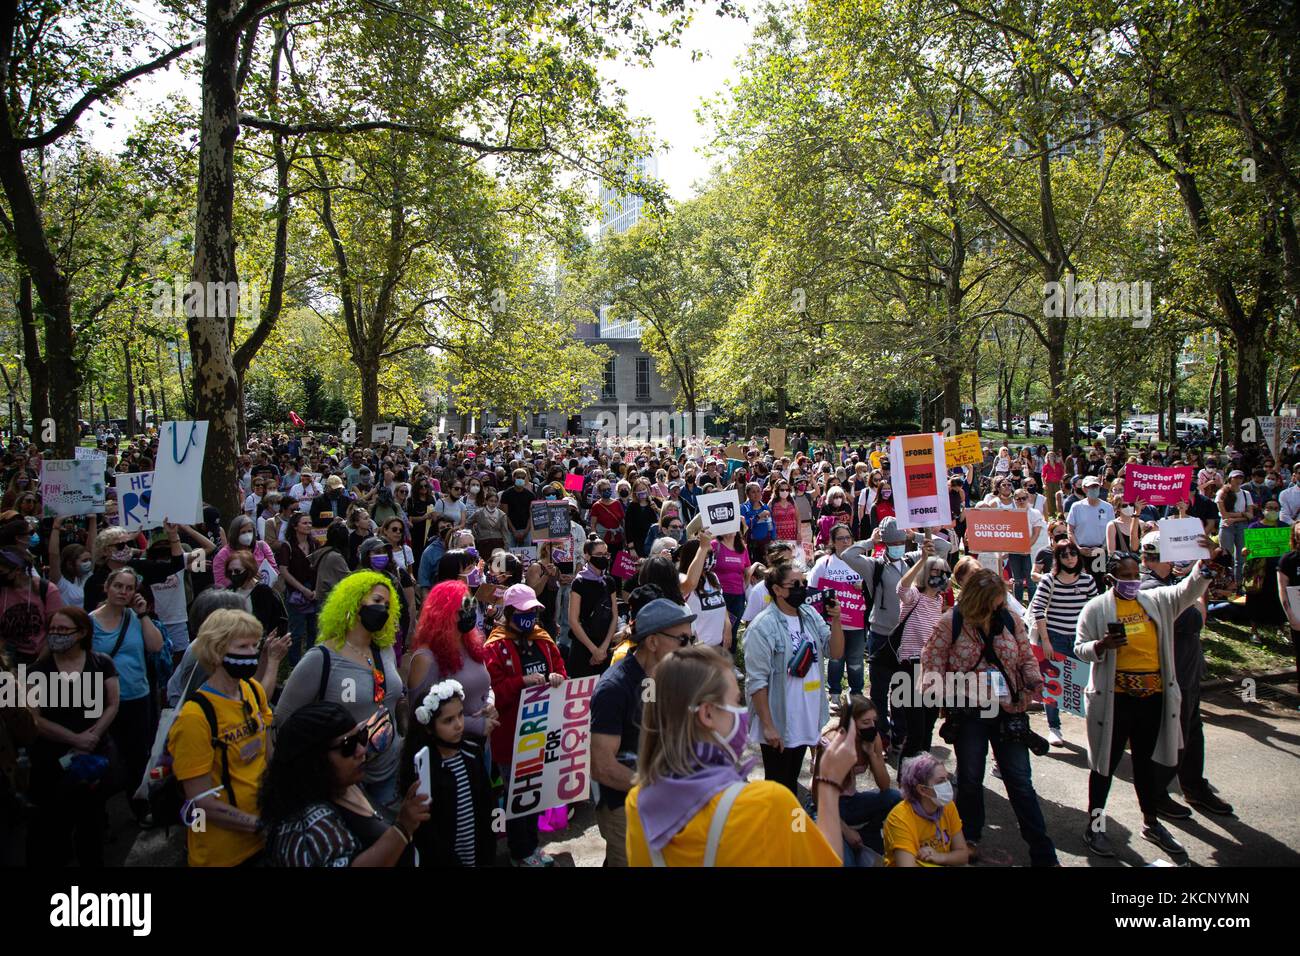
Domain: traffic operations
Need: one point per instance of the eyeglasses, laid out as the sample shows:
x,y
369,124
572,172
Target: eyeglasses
x,y
349,744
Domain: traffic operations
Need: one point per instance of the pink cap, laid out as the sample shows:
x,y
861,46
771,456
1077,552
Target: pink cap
x,y
521,597
469,454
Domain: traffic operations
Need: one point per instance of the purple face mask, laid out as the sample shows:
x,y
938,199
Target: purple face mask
x,y
379,561
735,742
1128,590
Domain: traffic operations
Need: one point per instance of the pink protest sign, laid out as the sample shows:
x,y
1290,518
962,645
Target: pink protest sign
x,y
625,567
1156,486
853,605
573,482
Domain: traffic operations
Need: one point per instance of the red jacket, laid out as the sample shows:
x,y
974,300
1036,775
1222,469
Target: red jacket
x,y
507,673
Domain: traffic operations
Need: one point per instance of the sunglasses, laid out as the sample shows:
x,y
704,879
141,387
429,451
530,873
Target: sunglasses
x,y
349,744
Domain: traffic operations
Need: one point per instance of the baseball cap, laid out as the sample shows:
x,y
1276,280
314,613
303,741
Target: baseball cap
x,y
370,545
520,597
1091,481
1151,542
333,482
659,615
1236,474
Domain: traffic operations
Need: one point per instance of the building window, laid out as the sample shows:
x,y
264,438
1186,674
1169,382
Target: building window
x,y
607,386
643,377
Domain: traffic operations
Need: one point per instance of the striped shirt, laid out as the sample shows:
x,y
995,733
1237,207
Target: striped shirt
x,y
919,624
1060,603
464,845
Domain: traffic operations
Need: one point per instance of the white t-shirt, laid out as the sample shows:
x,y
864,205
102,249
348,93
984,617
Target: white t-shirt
x,y
73,592
169,603
803,696
710,612
252,504
756,603
403,557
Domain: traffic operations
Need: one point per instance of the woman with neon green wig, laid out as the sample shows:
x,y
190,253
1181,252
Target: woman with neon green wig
x,y
354,664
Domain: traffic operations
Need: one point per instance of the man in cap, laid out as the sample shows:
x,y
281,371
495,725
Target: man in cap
x,y
1189,668
1088,521
1235,509
332,504
660,627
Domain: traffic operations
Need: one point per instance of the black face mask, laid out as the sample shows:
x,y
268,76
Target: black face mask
x,y
798,594
240,666
868,735
373,617
466,620
600,562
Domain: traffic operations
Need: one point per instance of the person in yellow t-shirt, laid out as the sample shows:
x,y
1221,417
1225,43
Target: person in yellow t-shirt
x,y
925,828
222,781
693,736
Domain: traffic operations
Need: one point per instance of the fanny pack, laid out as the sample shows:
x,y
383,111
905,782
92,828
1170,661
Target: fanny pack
x,y
802,659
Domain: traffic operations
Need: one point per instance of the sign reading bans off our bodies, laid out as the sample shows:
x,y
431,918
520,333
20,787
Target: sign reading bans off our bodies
x,y
998,529
551,762
920,481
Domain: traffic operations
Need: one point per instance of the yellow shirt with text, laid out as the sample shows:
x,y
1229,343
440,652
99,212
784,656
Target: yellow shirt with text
x,y
906,830
1142,652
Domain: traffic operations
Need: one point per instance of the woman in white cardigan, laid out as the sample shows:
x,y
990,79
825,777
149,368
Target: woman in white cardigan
x,y
1133,696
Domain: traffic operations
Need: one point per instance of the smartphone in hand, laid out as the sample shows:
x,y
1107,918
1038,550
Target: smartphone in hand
x,y
422,772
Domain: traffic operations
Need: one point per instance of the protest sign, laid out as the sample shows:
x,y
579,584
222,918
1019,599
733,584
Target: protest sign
x,y
737,451
382,432
573,483
733,465
550,520
991,560
527,555
963,449
1179,539
178,473
267,573
1275,429
1293,600
551,757
875,459
70,487
1064,681
400,434
83,453
1268,542
853,605
133,494
720,511
997,529
920,490
776,441
625,567
1157,486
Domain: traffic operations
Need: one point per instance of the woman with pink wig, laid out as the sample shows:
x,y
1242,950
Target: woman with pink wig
x,y
448,645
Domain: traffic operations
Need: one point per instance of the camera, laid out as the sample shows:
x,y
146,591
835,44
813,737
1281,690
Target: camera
x,y
1015,728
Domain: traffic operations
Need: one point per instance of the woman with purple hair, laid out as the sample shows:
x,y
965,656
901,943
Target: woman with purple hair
x,y
925,829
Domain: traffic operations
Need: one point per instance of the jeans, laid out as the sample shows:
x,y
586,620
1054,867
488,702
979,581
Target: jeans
x,y
974,737
302,627
855,643
866,813
783,766
1020,566
562,636
1232,538
883,665
1136,720
735,608
1064,644
913,719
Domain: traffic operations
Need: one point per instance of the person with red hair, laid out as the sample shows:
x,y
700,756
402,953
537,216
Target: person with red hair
x,y
449,646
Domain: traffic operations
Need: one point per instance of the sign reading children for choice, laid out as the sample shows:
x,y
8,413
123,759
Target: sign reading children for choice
x,y
720,511
919,471
178,473
133,494
72,487
1157,486
996,529
551,762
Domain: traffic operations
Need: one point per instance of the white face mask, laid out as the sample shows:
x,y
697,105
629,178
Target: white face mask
x,y
246,538
943,793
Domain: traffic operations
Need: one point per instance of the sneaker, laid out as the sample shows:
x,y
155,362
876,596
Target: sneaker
x,y
1054,737
1171,809
1097,842
534,859
1156,833
1209,802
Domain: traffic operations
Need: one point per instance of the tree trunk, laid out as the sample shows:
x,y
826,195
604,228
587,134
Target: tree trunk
x,y
1225,388
369,369
37,373
1056,328
217,396
1212,410
130,391
952,394
1251,398
975,397
103,404
1173,394
162,379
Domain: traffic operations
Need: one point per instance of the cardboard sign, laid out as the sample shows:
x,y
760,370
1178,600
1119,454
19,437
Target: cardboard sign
x,y
550,762
1157,486
720,512
70,487
776,441
919,467
625,567
1268,542
550,520
875,459
1178,539
380,433
400,434
1275,428
963,449
737,451
996,529
178,473
133,494
1064,681
527,555
573,483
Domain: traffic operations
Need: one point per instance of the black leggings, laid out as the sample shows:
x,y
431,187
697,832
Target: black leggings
x,y
1135,720
132,732
783,766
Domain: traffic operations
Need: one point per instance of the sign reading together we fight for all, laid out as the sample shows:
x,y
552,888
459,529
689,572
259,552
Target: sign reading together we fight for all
x,y
919,474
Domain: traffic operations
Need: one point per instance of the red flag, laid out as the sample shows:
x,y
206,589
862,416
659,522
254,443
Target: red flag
x,y
293,417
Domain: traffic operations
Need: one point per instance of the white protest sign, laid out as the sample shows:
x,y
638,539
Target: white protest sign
x,y
133,495
86,454
400,434
1275,429
1179,539
267,573
1293,599
919,478
550,760
178,473
720,511
71,487
381,432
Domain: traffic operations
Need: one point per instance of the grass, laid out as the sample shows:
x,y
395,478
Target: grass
x,y
1229,652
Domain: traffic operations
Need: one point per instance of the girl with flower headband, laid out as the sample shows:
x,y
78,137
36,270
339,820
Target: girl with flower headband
x,y
459,830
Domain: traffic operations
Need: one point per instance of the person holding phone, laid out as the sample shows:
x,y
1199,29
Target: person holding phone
x,y
920,610
1133,698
